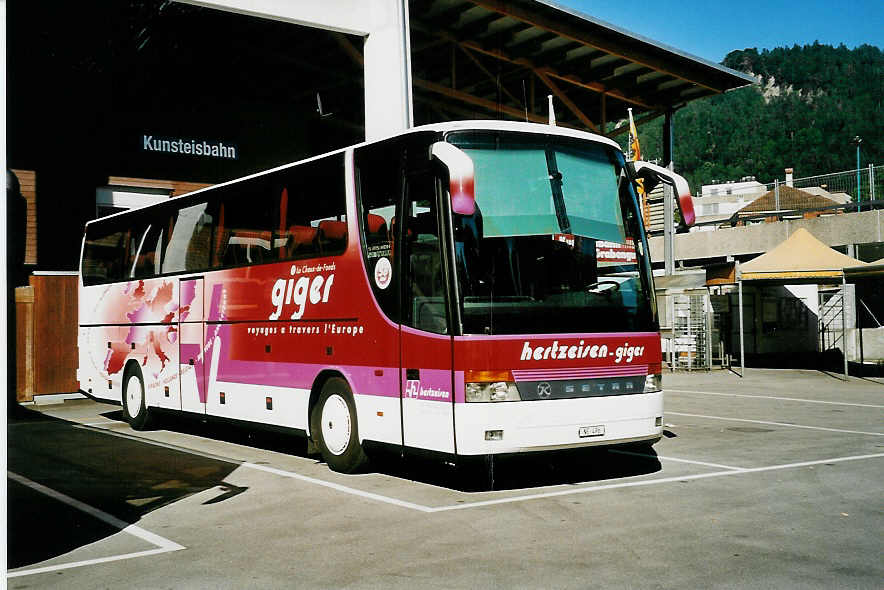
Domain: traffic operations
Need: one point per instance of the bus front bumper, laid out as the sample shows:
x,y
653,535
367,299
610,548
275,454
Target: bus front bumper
x,y
516,427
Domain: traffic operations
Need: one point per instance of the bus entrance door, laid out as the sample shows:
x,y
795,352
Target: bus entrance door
x,y
427,396
191,346
425,341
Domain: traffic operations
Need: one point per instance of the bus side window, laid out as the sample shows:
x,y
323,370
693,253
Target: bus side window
x,y
379,188
246,236
189,245
316,220
146,251
103,255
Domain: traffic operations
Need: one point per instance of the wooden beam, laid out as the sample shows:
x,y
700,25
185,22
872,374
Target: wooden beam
x,y
571,79
464,112
475,100
488,73
565,100
593,86
613,93
478,26
621,49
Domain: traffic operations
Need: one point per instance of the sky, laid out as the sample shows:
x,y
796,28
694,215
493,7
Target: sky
x,y
710,29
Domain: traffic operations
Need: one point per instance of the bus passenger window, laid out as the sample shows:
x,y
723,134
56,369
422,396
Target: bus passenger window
x,y
303,240
315,209
245,246
146,252
189,245
103,255
332,235
378,192
244,233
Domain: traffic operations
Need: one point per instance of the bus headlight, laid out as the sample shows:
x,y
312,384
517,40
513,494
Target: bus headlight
x,y
653,383
490,386
654,380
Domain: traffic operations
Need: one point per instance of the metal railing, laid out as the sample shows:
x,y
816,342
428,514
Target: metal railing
x,y
847,191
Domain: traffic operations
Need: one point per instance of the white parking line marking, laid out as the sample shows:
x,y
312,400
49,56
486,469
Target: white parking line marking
x,y
649,482
787,399
163,545
674,460
105,423
339,487
728,470
727,419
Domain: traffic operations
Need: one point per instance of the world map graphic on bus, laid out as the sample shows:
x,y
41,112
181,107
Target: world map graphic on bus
x,y
145,309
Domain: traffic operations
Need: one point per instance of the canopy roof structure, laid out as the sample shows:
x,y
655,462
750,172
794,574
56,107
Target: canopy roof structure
x,y
801,257
869,270
496,58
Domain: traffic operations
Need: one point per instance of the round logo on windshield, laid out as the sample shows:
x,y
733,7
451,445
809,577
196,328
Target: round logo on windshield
x,y
383,273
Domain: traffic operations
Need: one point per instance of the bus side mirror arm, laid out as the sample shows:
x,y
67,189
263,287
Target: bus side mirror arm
x,y
461,176
653,174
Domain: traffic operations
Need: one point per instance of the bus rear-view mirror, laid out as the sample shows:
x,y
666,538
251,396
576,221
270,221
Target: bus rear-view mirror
x,y
461,176
653,174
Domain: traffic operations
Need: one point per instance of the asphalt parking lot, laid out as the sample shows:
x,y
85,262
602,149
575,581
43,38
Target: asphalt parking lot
x,y
771,481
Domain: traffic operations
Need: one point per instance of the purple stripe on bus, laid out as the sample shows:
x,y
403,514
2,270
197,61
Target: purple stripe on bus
x,y
568,337
216,314
583,373
187,295
363,380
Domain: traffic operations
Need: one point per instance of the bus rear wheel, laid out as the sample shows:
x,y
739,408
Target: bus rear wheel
x,y
134,398
334,429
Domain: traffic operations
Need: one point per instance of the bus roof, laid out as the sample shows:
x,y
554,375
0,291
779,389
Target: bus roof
x,y
467,125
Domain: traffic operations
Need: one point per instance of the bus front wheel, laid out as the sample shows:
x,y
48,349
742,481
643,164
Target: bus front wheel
x,y
134,398
334,429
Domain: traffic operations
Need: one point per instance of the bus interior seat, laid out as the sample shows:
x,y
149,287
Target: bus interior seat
x,y
376,229
332,234
246,246
303,239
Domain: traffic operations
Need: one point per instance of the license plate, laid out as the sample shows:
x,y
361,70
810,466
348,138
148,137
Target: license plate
x,y
587,431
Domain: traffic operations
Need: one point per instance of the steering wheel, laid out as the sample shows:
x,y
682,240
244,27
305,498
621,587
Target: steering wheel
x,y
615,286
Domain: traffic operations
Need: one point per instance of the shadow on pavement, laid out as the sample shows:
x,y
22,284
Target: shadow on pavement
x,y
122,477
519,471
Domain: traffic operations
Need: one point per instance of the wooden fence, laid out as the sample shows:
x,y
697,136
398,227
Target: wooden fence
x,y
46,336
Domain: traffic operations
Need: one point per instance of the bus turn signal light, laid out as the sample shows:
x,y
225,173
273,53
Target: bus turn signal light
x,y
472,376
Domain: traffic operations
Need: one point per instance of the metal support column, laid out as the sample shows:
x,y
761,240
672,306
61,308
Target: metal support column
x,y
776,191
844,322
742,346
668,218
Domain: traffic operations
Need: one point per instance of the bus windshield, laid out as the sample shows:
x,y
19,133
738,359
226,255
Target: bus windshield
x,y
555,244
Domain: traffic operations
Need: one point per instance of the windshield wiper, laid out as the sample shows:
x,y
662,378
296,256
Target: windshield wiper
x,y
555,183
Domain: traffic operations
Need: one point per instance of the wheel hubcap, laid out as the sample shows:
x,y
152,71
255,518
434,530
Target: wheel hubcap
x,y
335,424
134,394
